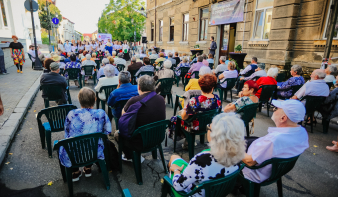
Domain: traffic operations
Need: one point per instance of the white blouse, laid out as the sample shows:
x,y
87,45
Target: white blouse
x,y
74,49
88,47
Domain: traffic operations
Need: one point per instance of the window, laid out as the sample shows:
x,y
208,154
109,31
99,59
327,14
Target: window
x,y
204,16
185,27
161,31
263,19
335,34
152,31
3,13
171,37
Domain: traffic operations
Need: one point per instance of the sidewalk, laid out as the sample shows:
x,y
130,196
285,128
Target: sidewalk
x,y
17,91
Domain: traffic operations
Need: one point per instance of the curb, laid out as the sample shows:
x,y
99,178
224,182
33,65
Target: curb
x,y
12,124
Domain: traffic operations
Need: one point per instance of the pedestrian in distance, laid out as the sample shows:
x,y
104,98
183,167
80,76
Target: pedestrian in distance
x,y
17,53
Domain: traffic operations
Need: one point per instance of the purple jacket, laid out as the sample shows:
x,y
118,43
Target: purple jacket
x,y
195,67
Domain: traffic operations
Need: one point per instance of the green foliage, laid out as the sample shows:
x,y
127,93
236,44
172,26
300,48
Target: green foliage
x,y
44,37
121,18
197,46
232,60
45,21
238,48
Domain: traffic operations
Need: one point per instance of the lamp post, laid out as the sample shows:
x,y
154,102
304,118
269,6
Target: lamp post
x,y
48,16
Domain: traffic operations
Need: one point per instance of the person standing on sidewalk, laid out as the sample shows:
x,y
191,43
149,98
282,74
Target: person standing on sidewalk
x,y
213,46
18,53
3,70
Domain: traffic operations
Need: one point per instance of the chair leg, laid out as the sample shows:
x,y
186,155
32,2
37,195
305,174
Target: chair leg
x,y
326,125
69,98
220,94
280,187
267,107
247,130
69,181
48,135
42,137
63,170
137,167
311,121
231,94
154,154
105,173
225,92
177,127
172,102
103,105
46,103
162,158
202,137
260,107
110,114
191,145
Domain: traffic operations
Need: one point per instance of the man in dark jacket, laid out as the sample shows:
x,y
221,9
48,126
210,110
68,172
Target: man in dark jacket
x,y
53,78
213,46
134,65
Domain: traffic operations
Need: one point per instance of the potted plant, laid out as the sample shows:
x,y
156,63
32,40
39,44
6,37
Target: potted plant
x,y
196,46
238,48
238,56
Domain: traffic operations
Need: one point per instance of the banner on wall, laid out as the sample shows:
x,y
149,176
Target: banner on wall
x,y
227,12
104,37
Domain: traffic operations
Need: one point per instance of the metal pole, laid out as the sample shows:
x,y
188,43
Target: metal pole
x,y
48,16
37,60
333,19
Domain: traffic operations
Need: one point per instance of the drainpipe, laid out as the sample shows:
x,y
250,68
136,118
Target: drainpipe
x,y
246,9
154,26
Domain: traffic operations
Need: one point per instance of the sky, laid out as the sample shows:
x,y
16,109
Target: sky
x,y
84,13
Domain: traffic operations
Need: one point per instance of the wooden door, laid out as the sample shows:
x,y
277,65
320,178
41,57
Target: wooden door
x,y
224,48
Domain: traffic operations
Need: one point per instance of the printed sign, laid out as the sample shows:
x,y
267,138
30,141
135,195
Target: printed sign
x,y
104,37
55,21
227,12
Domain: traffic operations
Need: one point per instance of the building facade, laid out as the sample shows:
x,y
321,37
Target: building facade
x,y
66,30
278,32
16,20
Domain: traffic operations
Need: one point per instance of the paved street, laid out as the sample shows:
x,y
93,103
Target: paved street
x,y
27,170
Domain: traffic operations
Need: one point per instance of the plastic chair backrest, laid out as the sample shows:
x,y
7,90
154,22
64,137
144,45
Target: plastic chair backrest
x,y
73,73
56,116
160,63
295,88
197,74
248,112
133,72
88,70
82,150
280,77
211,65
231,82
53,92
166,85
204,118
267,92
108,89
30,56
152,61
150,73
152,134
184,71
120,67
256,78
312,103
330,84
62,71
97,64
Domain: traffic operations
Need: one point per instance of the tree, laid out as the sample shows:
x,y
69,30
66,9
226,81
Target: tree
x,y
121,18
43,15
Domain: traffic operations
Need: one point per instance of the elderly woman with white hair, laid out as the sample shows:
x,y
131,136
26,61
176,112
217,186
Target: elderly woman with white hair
x,y
88,62
227,149
166,72
268,80
119,59
109,80
100,73
330,71
114,54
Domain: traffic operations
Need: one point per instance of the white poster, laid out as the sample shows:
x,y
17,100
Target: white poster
x,y
104,37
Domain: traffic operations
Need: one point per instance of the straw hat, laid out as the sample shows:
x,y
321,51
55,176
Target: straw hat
x,y
55,57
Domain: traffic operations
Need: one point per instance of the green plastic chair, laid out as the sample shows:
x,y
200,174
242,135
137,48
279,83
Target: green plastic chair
x,y
280,167
184,71
211,65
74,74
126,193
219,187
247,113
152,61
54,93
150,73
311,105
120,67
165,88
98,64
280,77
107,90
152,136
56,117
33,63
330,84
160,63
224,91
133,78
88,70
196,74
204,119
82,151
121,103
266,95
62,71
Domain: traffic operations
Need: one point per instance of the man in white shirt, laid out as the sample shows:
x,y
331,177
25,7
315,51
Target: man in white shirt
x,y
260,72
31,52
286,140
230,73
68,47
316,87
119,59
249,69
223,66
329,71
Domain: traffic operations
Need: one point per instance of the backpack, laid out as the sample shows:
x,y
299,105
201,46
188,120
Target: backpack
x,y
127,122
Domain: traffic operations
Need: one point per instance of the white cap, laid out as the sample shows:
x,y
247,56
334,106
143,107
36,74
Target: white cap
x,y
294,109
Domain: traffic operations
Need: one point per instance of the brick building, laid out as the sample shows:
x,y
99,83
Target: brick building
x,y
277,32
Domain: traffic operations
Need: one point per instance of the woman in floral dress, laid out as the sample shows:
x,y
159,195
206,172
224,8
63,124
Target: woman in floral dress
x,y
17,53
284,88
205,102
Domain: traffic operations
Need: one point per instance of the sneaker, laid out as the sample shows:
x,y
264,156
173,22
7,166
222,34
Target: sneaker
x,y
76,176
4,73
18,71
87,172
21,72
124,158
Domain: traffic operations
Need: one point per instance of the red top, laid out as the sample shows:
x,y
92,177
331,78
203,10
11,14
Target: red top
x,y
264,81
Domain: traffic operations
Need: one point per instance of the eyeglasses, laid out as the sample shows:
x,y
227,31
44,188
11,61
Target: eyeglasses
x,y
275,108
208,127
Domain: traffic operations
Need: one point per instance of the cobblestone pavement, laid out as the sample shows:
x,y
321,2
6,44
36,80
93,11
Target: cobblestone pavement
x,y
14,86
28,170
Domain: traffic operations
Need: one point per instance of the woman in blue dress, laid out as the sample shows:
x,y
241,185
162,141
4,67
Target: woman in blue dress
x,y
284,88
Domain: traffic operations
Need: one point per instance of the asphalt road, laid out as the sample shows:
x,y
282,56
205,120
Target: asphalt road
x,y
27,170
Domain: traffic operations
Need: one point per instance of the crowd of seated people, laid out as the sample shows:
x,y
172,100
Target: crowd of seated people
x,y
197,66
259,72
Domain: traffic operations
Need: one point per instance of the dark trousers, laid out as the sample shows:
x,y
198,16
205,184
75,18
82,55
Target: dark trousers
x,y
130,145
2,65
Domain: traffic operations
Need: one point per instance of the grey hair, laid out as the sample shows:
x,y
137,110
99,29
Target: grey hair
x,y
332,69
185,60
205,56
272,72
124,77
153,52
105,61
133,59
120,55
261,66
146,83
109,71
223,58
114,53
167,64
298,69
320,73
204,70
170,55
227,142
88,56
200,58
137,56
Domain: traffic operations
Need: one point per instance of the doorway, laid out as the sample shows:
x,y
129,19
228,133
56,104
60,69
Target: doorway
x,y
228,38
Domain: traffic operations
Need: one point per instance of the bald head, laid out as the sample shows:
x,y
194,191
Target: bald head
x,y
318,74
